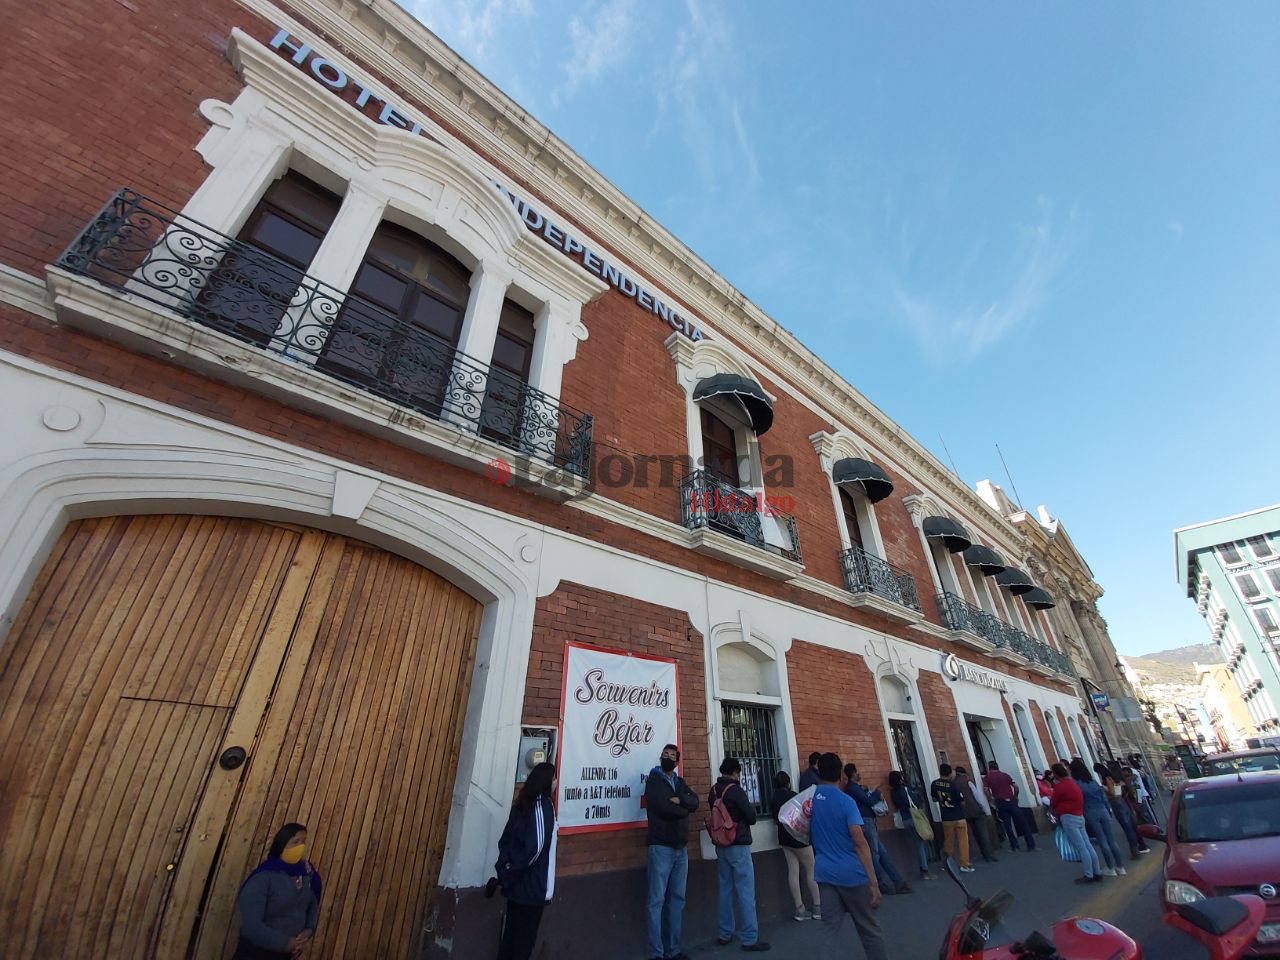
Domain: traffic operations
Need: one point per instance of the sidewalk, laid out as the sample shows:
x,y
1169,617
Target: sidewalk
x,y
914,924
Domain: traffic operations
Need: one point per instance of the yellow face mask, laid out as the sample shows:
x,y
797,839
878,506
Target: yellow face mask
x,y
293,853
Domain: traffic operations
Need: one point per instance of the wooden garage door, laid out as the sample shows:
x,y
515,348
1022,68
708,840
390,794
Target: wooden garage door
x,y
148,646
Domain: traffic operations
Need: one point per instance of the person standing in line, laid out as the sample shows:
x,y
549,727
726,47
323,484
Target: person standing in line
x,y
974,814
1068,807
1147,793
955,832
526,866
1097,817
887,875
279,901
1110,777
734,868
842,863
799,856
809,778
1005,793
904,798
668,801
1044,786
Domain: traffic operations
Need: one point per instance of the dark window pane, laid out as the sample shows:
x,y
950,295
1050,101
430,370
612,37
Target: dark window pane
x,y
304,200
851,518
719,449
441,319
284,238
380,286
511,355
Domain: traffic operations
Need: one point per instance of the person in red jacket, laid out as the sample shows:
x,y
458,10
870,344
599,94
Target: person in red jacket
x,y
1067,804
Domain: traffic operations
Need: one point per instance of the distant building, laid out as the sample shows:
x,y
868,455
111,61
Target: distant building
x,y
1231,567
1228,714
1069,617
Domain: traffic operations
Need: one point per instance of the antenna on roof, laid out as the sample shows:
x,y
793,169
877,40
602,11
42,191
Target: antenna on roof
x,y
950,460
1012,486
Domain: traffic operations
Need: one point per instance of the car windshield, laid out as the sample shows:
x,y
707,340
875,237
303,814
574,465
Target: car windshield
x,y
1259,761
1238,812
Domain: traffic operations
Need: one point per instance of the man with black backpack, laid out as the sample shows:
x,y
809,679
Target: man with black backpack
x,y
668,801
730,827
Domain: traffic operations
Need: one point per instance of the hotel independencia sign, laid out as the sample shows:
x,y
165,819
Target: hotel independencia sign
x,y
331,75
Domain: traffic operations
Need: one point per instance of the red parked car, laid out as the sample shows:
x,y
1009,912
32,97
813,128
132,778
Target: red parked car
x,y
1224,838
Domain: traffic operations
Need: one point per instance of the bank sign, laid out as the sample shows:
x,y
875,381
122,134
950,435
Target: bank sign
x,y
331,75
957,669
617,712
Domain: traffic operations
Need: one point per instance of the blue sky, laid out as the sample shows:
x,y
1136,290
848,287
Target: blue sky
x,y
1052,227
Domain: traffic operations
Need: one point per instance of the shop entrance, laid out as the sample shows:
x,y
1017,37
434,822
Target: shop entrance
x,y
177,687
904,745
990,740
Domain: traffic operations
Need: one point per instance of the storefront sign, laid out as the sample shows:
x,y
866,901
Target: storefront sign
x,y
617,712
328,73
1100,701
956,669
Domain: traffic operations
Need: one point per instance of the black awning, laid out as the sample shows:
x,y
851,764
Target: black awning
x,y
1015,580
984,559
751,395
1038,598
873,480
953,536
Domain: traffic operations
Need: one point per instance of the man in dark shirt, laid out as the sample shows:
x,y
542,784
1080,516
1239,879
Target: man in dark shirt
x,y
810,777
668,801
887,874
955,832
1005,793
734,868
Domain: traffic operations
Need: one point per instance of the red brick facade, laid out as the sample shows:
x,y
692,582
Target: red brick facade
x,y
944,718
615,622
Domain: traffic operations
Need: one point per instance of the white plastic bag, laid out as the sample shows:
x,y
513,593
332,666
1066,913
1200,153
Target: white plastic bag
x,y
796,813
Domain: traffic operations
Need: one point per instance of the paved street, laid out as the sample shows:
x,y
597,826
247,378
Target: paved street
x,y
1042,884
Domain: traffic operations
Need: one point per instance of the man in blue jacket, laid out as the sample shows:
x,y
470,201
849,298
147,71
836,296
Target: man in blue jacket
x,y
887,874
668,801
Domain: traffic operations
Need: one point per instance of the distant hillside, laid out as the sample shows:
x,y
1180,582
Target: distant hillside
x,y
1176,665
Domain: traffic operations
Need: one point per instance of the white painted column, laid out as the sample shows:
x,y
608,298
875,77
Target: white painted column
x,y
235,184
464,395
335,264
552,345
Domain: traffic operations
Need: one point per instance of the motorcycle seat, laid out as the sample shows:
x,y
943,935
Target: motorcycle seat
x,y
1215,916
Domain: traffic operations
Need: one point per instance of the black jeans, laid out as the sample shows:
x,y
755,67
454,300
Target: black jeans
x,y
519,930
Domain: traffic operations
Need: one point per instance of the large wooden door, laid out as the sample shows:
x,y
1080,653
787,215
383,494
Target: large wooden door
x,y
148,646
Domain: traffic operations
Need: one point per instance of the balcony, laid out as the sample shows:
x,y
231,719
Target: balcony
x,y
144,274
880,586
728,523
976,628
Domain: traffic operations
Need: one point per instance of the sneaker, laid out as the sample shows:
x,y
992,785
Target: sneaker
x,y
1097,878
802,914
1108,872
1081,881
723,941
1144,850
968,870
817,916
1121,871
758,947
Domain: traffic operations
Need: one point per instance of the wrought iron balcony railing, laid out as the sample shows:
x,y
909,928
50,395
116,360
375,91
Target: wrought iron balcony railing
x,y
866,573
959,614
150,251
710,504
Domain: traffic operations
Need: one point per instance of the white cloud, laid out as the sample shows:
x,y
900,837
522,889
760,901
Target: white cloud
x,y
598,43
469,28
959,325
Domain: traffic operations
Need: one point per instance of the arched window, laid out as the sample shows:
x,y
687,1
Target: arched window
x,y
254,284
719,448
1030,747
400,323
849,507
1056,736
501,416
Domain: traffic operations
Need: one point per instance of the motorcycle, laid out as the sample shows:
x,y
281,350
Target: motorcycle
x,y
1223,926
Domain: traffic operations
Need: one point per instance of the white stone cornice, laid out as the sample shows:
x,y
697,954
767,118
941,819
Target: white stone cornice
x,y
26,292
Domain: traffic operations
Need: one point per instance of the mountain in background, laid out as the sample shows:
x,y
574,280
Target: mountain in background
x,y
1176,665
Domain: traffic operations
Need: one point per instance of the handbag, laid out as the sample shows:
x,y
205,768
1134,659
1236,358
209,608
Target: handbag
x,y
796,813
924,829
1066,849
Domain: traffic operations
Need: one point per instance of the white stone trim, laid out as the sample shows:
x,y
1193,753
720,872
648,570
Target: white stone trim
x,y
26,292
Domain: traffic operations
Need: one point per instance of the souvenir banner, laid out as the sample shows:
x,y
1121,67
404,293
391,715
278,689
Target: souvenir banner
x,y
617,711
